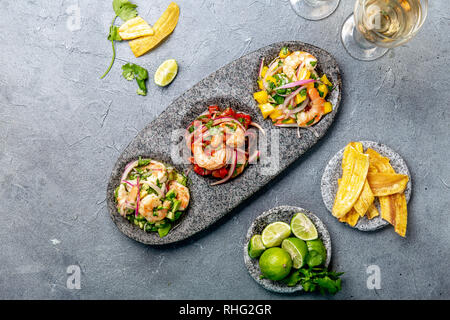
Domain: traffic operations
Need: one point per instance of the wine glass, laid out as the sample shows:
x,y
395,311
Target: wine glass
x,y
314,9
378,25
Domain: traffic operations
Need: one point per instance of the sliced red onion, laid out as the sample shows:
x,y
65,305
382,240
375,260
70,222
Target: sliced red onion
x,y
286,125
154,187
136,212
128,169
295,84
261,66
290,97
300,68
254,124
298,132
230,171
129,183
254,156
300,108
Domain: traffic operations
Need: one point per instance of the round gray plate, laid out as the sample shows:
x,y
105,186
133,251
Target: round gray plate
x,y
284,214
333,172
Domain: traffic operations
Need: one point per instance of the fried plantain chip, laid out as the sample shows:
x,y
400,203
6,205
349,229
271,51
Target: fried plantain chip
x,y
394,211
357,145
135,28
384,184
355,166
372,212
365,200
378,163
351,217
393,207
163,27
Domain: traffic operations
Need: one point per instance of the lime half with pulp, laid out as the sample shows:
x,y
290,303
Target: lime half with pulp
x,y
166,72
297,249
275,233
256,246
303,228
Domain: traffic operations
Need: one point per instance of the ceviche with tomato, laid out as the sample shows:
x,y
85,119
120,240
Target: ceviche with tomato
x,y
292,93
221,143
152,195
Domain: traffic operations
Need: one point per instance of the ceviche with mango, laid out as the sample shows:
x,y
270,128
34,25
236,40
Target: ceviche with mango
x,y
292,92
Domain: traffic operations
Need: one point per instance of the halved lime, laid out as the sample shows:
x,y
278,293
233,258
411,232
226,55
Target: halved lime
x,y
317,253
303,228
166,72
297,249
256,246
275,233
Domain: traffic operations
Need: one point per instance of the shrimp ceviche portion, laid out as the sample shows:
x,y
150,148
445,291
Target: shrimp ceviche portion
x,y
221,143
293,94
152,195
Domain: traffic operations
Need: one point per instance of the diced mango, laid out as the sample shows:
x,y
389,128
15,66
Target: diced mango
x,y
325,80
272,79
304,74
260,84
299,98
309,85
266,109
327,107
289,121
276,114
323,88
261,97
264,71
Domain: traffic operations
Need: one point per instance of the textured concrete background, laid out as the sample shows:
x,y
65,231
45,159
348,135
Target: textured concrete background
x,y
61,130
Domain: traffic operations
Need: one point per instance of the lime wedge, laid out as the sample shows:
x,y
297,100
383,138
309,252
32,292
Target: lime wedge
x,y
303,228
297,249
255,246
166,72
275,233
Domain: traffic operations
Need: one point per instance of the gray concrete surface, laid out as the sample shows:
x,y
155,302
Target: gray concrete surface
x,y
61,130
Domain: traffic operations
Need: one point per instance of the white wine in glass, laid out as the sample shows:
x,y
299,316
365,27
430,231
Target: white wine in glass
x,y
314,9
377,25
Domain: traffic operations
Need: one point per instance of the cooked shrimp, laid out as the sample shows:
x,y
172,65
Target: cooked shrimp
x,y
182,194
122,195
234,137
311,115
146,206
216,160
294,60
158,170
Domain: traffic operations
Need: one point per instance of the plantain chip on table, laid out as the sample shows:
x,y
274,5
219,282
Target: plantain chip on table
x,y
162,28
135,28
363,181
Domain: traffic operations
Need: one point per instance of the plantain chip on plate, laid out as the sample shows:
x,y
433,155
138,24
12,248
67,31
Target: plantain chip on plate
x,y
135,28
355,166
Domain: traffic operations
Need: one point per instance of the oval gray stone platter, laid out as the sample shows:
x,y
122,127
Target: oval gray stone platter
x,y
284,214
233,85
333,171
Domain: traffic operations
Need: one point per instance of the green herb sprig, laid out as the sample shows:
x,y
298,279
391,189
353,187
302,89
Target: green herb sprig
x,y
316,279
125,10
133,71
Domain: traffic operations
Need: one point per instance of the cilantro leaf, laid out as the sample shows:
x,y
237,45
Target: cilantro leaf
x,y
133,71
114,33
315,279
124,9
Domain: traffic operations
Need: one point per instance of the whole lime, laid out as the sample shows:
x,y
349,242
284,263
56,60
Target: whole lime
x,y
275,263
